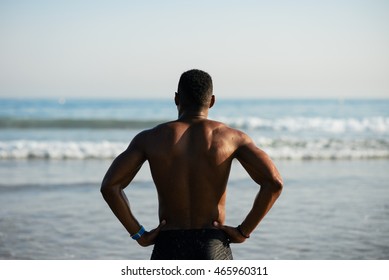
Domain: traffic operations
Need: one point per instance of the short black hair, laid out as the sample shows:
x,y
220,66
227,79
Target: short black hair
x,y
195,88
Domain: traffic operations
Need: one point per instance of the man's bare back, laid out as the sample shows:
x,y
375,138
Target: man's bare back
x,y
190,161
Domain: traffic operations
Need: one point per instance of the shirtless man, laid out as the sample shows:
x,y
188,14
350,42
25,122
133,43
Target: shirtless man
x,y
190,160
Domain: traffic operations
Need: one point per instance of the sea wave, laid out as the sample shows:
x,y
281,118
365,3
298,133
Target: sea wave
x,y
6,123
283,148
329,125
27,149
326,149
288,124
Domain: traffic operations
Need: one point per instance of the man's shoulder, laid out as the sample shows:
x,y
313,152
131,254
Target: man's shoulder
x,y
217,127
226,128
152,132
226,131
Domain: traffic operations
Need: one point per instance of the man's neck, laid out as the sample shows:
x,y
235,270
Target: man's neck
x,y
193,115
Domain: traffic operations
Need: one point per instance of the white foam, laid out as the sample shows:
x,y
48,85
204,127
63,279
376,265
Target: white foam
x,y
25,149
293,148
280,148
331,125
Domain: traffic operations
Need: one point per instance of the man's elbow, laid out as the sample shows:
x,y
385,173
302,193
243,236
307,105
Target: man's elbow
x,y
107,190
104,190
277,185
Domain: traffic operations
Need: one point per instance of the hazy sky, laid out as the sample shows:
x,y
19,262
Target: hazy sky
x,y
261,49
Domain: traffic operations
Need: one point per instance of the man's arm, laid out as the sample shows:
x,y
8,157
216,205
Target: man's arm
x,y
119,175
263,171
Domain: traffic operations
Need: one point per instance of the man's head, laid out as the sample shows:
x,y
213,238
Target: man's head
x,y
195,89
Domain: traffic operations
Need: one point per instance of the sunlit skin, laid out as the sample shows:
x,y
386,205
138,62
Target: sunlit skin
x,y
190,160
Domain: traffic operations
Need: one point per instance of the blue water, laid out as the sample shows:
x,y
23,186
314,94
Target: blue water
x,y
287,129
332,154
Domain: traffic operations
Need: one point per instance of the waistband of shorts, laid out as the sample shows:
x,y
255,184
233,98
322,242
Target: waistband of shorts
x,y
204,232
191,230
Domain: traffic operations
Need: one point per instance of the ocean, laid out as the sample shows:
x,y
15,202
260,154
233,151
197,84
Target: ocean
x,y
333,156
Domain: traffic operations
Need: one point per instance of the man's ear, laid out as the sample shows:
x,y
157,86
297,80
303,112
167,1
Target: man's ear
x,y
176,99
213,100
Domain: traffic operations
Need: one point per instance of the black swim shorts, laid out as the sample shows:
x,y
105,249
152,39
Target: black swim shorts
x,y
192,244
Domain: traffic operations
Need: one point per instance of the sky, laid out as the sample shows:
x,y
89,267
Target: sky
x,y
138,49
